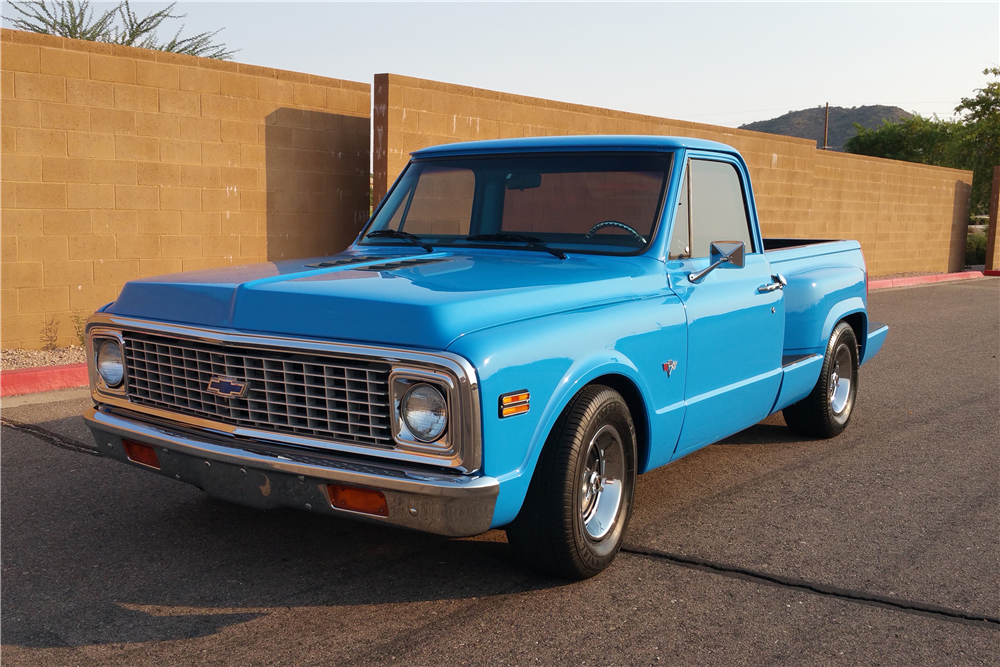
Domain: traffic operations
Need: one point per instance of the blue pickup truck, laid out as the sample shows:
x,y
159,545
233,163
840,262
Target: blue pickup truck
x,y
521,328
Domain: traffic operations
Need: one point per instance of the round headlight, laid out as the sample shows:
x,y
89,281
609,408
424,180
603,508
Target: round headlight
x,y
424,412
110,363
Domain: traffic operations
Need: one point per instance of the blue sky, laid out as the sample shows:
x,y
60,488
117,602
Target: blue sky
x,y
719,63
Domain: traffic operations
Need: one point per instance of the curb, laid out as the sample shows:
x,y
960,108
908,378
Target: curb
x,y
921,280
43,378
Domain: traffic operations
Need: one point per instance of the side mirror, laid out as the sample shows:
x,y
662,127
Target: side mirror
x,y
723,253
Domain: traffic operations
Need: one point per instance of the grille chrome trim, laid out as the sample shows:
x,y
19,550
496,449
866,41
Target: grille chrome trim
x,y
465,455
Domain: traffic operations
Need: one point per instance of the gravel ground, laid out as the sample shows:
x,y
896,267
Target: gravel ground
x,y
15,359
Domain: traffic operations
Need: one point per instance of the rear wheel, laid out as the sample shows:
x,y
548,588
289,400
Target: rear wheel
x,y
826,411
579,503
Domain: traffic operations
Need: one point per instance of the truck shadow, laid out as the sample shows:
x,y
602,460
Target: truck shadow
x,y
96,552
771,430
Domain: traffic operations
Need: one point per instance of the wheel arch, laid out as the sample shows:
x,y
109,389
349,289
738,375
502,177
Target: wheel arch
x,y
636,407
853,312
859,323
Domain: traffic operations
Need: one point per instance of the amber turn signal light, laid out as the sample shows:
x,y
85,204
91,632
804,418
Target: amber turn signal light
x,y
140,453
355,499
514,403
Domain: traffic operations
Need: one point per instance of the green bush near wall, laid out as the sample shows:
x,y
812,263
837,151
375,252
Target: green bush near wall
x,y
975,249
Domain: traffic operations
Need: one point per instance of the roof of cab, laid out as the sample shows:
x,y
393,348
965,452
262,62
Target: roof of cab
x,y
573,144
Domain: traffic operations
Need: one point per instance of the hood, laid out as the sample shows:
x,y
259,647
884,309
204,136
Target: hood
x,y
423,300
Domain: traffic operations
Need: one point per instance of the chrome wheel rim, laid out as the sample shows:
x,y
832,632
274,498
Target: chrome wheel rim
x,y
601,482
841,377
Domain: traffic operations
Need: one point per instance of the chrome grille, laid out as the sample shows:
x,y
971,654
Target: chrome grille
x,y
335,398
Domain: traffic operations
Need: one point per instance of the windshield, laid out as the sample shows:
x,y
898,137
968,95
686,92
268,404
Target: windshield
x,y
605,204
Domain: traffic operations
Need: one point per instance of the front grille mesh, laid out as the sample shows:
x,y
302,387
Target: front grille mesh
x,y
333,398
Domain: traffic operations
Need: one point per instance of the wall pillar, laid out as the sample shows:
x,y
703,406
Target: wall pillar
x,y
380,139
993,240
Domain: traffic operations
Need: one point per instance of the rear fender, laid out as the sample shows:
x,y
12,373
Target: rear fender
x,y
815,301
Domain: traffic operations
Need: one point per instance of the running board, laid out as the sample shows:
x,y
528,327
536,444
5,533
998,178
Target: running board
x,y
798,376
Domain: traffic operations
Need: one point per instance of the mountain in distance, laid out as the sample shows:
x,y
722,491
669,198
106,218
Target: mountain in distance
x,y
808,123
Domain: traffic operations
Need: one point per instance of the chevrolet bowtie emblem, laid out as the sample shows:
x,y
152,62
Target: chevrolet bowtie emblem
x,y
227,387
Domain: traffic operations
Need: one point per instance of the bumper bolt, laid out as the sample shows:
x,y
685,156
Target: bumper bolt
x,y
413,511
308,506
301,479
207,464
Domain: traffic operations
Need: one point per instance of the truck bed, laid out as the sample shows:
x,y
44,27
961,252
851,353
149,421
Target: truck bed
x,y
787,255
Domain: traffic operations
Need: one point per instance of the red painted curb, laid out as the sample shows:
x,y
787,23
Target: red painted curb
x,y
991,272
920,280
43,378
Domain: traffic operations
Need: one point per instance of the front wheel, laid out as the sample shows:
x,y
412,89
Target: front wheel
x,y
579,503
825,412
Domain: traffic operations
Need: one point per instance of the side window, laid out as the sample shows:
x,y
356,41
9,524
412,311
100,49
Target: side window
x,y
717,208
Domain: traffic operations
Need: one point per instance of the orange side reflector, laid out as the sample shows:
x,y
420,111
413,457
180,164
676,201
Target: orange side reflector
x,y
514,410
143,454
515,398
366,501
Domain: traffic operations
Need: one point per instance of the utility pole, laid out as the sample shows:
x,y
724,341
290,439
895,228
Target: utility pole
x,y
826,129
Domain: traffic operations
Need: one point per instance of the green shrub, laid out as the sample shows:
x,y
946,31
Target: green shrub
x,y
79,327
975,249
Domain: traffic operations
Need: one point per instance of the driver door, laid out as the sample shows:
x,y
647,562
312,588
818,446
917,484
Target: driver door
x,y
735,330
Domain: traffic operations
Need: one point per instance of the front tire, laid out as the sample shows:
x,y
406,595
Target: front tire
x,y
826,411
579,503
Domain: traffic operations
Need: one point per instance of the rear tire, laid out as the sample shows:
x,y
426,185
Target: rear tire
x,y
579,503
826,411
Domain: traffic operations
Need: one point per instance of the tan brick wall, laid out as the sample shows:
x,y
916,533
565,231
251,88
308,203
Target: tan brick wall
x,y
119,163
907,217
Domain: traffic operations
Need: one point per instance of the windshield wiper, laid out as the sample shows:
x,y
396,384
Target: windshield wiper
x,y
396,234
532,241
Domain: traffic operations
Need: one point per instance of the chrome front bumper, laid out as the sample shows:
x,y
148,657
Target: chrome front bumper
x,y
266,476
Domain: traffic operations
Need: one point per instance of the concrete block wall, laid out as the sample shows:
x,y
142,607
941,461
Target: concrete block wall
x,y
907,217
119,163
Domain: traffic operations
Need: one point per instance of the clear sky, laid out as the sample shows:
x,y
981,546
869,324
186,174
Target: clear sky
x,y
719,63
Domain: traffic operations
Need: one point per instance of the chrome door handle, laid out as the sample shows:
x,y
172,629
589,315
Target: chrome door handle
x,y
779,283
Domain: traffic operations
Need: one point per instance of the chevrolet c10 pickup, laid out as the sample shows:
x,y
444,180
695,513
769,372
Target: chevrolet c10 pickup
x,y
521,328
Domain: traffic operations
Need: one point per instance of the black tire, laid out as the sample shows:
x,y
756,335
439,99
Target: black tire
x,y
572,523
826,411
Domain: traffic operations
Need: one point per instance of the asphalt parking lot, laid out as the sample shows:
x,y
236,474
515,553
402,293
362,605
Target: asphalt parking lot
x,y
880,547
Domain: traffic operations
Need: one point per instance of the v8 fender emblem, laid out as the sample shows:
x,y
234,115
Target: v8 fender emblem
x,y
669,367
